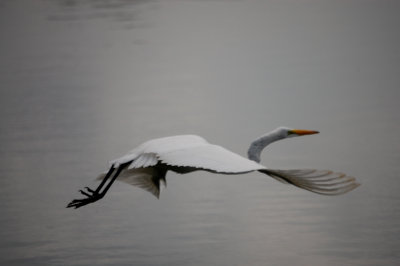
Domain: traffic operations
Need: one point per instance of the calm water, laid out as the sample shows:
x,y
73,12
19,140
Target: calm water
x,y
83,82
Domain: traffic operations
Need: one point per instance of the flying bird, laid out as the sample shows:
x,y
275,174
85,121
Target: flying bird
x,y
146,166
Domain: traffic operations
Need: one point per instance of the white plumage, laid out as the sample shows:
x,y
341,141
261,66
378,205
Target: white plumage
x,y
210,157
146,166
187,151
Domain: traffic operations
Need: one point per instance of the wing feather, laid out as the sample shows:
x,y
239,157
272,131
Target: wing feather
x,y
318,181
144,160
210,157
187,151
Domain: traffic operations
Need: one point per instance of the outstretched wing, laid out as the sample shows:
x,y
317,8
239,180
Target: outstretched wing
x,y
318,181
187,151
210,157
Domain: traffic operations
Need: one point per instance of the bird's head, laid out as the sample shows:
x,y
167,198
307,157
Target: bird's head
x,y
285,132
260,143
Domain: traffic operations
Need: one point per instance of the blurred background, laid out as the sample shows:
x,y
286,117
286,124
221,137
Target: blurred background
x,y
83,82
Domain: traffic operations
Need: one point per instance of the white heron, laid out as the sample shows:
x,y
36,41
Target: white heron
x,y
146,166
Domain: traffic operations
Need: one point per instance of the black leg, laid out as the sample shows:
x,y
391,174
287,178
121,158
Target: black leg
x,y
109,173
95,195
120,168
94,192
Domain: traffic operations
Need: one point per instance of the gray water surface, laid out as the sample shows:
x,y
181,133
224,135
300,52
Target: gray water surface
x,y
83,82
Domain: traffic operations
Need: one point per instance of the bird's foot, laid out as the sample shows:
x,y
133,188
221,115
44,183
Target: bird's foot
x,y
89,193
92,196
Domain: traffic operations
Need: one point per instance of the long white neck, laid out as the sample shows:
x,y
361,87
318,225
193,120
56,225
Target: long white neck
x,y
257,146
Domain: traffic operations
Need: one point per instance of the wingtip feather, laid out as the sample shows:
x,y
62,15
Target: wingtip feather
x,y
323,182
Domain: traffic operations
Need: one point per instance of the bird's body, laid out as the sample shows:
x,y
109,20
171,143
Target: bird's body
x,y
146,166
149,162
187,151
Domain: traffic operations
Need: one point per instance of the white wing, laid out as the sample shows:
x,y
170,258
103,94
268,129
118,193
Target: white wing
x,y
156,147
210,157
188,151
144,160
318,181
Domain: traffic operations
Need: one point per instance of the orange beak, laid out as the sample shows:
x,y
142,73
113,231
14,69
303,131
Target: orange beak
x,y
302,132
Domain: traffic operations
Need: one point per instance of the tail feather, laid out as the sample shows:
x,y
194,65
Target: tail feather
x,y
318,181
